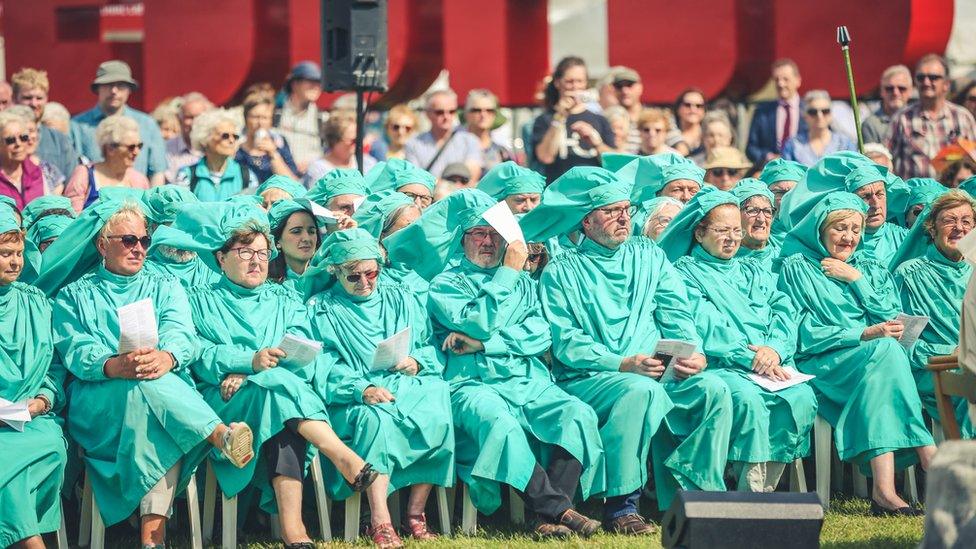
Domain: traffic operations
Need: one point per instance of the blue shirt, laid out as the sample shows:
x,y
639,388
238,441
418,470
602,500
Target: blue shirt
x,y
152,158
463,147
55,148
798,147
216,187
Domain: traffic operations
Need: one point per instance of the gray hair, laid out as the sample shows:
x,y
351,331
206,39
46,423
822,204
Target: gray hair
x,y
7,118
204,125
194,97
876,149
480,94
814,95
665,201
130,210
893,70
24,112
446,92
616,112
113,129
55,111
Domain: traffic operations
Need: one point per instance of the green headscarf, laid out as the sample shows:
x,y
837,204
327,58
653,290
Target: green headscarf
x,y
646,210
336,182
750,187
509,178
615,161
373,212
32,258
35,208
805,237
570,198
248,200
923,191
777,170
428,243
282,210
8,222
338,248
679,238
373,174
48,227
8,201
205,227
648,175
161,203
397,173
287,184
969,185
918,238
73,254
120,193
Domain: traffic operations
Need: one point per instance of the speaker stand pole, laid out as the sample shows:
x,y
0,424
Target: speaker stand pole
x,y
360,128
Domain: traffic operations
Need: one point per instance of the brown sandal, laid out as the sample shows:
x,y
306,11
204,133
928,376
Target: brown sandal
x,y
417,525
365,477
384,536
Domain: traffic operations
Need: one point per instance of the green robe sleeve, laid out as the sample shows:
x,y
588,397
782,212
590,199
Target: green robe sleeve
x,y
342,385
82,354
720,338
424,351
673,313
814,336
218,360
782,333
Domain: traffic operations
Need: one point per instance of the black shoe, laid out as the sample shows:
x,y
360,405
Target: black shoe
x,y
300,545
906,511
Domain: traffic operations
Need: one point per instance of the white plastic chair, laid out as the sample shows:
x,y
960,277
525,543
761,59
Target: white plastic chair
x,y
469,514
354,502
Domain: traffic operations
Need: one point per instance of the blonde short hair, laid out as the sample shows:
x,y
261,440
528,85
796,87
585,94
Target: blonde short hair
x,y
114,129
29,79
840,215
7,118
130,211
648,116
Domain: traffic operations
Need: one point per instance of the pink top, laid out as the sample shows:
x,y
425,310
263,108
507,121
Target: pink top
x,y
77,187
31,184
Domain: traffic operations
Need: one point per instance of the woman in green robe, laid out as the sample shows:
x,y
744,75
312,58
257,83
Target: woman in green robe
x,y
43,206
747,327
162,205
134,412
757,212
848,338
46,230
382,214
244,375
931,276
395,413
34,454
295,234
279,187
400,175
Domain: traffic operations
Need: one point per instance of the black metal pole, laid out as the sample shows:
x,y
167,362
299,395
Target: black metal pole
x,y
360,128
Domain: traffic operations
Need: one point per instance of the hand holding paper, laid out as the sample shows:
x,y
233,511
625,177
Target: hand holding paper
x,y
14,414
299,352
501,218
668,351
914,325
137,326
391,351
769,384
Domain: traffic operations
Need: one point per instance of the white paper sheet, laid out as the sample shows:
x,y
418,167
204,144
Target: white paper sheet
x,y
299,352
913,328
391,351
327,216
14,414
669,351
796,378
137,326
357,202
503,221
967,247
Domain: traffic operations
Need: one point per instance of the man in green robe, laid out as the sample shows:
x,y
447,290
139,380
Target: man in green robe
x,y
341,190
881,238
848,339
609,301
162,205
520,188
401,175
242,372
757,212
508,412
393,411
747,328
279,187
134,412
931,276
34,454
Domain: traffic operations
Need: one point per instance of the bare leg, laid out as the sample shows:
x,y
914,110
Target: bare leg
x,y
925,454
883,471
288,492
376,494
153,529
418,498
321,435
216,438
33,542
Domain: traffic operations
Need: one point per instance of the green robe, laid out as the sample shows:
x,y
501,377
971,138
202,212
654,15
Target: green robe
x,y
191,274
33,460
934,286
883,243
604,305
764,257
233,323
736,304
407,278
507,408
410,439
865,388
132,431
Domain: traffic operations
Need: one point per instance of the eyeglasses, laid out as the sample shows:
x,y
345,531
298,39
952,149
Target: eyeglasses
x,y
131,148
443,112
923,76
618,211
727,232
248,254
482,111
367,276
480,235
398,127
722,172
23,138
970,98
891,89
815,112
646,129
231,136
623,84
536,256
423,198
130,240
951,221
695,106
457,179
756,212
660,220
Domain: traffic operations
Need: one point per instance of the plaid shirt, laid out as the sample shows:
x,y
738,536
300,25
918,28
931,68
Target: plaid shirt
x,y
916,137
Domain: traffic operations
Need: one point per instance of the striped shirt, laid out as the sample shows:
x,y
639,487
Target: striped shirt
x,y
917,136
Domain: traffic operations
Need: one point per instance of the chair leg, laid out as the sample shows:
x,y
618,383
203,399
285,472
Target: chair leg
x,y
443,510
353,503
193,507
798,478
517,507
469,515
63,533
209,503
84,525
911,488
97,526
321,501
228,538
821,435
937,433
860,482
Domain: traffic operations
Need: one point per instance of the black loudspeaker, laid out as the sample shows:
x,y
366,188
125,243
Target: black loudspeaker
x,y
741,520
354,45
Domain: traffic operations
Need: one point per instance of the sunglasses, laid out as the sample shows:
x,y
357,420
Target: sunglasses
x,y
130,240
368,276
23,138
688,105
536,256
923,76
398,127
482,111
722,172
891,89
815,112
232,136
131,148
444,112
457,179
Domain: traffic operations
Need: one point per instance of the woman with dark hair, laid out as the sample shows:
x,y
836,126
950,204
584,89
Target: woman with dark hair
x,y
689,110
567,134
296,236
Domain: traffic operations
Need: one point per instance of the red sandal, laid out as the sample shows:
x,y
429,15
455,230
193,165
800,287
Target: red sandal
x,y
417,525
384,536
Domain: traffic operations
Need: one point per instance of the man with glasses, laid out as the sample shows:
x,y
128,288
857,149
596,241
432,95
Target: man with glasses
x,y
113,84
445,143
896,90
480,115
920,131
774,122
30,88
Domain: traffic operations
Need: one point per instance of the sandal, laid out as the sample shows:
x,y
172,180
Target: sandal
x,y
365,477
238,444
417,525
384,536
